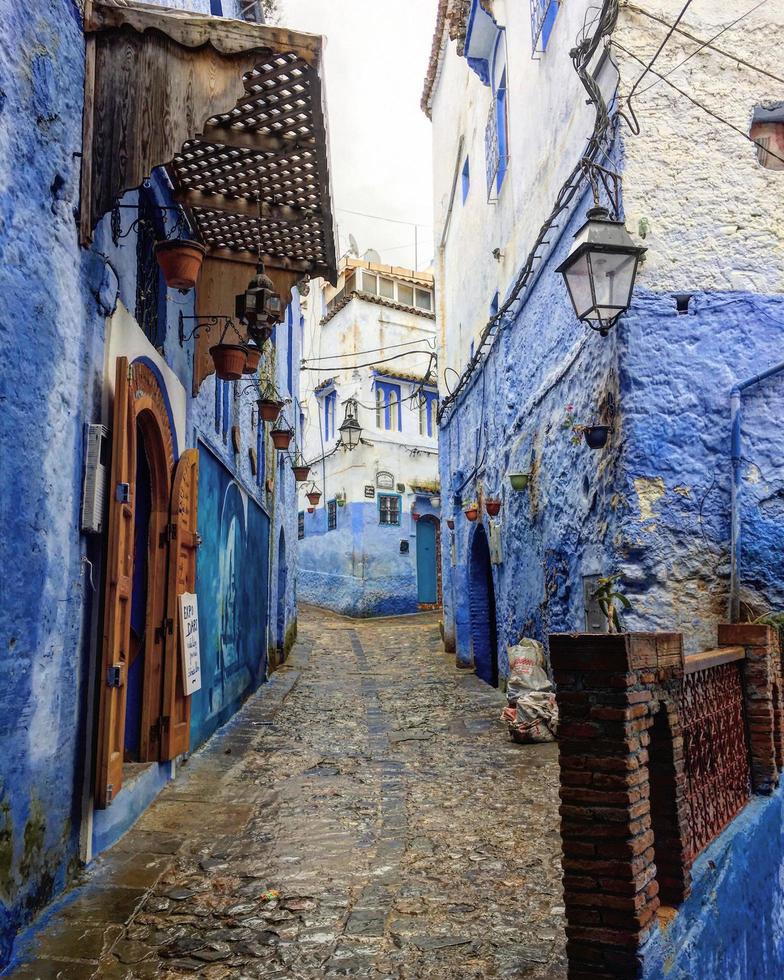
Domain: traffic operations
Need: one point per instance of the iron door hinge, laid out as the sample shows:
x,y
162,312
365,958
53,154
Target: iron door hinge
x,y
122,493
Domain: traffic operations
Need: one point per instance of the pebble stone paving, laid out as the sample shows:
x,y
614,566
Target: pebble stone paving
x,y
364,815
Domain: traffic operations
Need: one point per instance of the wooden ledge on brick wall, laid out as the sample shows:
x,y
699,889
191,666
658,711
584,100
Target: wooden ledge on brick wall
x,y
617,651
712,658
746,635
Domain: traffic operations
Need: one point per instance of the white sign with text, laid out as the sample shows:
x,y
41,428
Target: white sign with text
x,y
189,642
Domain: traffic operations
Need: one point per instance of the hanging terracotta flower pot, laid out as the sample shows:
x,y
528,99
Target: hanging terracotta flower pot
x,y
180,261
269,409
300,473
493,506
596,435
450,523
252,359
229,361
415,515
281,438
311,510
471,511
314,496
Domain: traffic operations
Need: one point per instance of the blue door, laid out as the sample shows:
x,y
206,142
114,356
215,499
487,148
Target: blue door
x,y
427,573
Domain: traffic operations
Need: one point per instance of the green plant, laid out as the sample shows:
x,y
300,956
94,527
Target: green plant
x,y
572,423
607,595
776,620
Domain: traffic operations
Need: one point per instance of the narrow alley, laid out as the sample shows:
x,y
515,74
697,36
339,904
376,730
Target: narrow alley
x,y
364,815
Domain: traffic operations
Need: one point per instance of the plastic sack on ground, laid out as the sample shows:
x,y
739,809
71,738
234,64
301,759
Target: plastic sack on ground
x,y
532,714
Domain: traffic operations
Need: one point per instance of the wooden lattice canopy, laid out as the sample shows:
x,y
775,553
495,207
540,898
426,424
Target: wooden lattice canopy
x,y
233,110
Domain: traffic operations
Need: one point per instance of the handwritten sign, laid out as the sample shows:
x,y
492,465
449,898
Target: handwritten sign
x,y
189,642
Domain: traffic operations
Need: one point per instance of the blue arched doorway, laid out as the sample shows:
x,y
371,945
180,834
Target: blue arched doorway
x,y
427,541
280,639
481,597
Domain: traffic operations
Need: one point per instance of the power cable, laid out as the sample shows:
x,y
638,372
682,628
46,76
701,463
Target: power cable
x,y
383,360
636,127
381,217
706,44
374,350
699,105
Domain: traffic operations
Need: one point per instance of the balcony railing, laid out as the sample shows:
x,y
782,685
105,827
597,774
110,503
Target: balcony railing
x,y
542,16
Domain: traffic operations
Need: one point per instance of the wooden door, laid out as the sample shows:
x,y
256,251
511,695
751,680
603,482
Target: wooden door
x,y
117,599
183,545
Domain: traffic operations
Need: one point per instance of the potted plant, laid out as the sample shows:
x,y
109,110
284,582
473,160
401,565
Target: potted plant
x,y
180,261
450,523
340,499
300,468
519,481
229,360
594,433
281,438
415,515
252,358
493,506
435,500
314,496
471,510
269,401
311,510
607,595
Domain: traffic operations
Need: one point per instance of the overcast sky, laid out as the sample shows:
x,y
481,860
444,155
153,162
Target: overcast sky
x,y
376,58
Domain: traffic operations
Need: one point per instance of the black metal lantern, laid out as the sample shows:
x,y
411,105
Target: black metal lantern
x,y
259,307
350,430
600,270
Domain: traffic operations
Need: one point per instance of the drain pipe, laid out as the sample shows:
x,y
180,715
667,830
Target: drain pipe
x,y
735,540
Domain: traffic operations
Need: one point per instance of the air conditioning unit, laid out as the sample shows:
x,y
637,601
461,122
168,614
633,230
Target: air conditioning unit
x,y
96,462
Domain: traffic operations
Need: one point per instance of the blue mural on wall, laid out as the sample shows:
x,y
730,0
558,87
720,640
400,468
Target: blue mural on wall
x,y
232,585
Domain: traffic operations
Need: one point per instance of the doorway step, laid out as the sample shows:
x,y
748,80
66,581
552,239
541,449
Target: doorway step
x,y
141,783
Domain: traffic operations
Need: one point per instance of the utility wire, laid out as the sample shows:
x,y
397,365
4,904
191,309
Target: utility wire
x,y
382,360
699,105
706,44
381,217
635,128
374,350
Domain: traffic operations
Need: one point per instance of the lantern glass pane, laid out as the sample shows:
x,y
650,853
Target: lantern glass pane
x,y
578,281
613,279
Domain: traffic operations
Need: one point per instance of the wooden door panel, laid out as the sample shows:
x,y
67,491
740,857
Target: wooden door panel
x,y
117,599
183,545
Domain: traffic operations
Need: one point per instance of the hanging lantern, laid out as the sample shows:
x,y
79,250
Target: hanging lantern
x,y
600,270
350,430
259,307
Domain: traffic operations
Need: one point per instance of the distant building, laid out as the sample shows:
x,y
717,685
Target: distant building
x,y
371,545
512,121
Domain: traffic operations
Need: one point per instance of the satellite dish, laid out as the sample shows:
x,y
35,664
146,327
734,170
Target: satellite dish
x,y
353,248
372,256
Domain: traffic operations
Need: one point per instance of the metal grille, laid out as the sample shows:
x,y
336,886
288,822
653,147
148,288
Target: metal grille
x,y
716,752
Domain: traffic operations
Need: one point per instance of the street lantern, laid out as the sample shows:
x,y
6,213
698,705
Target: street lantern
x,y
350,430
259,307
600,270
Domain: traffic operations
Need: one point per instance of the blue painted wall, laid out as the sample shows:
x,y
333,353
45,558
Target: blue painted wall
x,y
655,503
358,568
54,300
732,924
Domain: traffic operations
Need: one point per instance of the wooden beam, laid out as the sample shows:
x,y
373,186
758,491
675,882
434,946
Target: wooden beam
x,y
273,261
243,206
88,113
274,147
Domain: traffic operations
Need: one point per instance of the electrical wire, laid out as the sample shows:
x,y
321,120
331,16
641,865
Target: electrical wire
x,y
373,350
381,217
382,360
636,127
699,105
705,44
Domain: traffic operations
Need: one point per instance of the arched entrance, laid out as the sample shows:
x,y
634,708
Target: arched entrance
x,y
144,715
427,560
282,583
481,597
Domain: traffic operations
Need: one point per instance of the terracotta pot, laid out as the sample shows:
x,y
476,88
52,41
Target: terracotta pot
x,y
314,497
180,261
493,506
471,513
416,516
281,438
311,510
300,473
596,435
450,524
252,359
229,360
269,409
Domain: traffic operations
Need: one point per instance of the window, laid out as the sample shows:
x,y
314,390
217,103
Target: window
x,y
543,14
329,415
369,284
388,406
502,128
150,287
332,515
424,299
389,509
222,408
767,131
386,288
405,294
301,525
466,179
428,403
216,8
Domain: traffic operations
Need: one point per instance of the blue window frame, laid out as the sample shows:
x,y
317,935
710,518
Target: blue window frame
x,y
301,525
261,456
222,408
216,8
466,179
329,415
428,404
502,129
388,415
495,303
332,515
389,509
543,14
290,351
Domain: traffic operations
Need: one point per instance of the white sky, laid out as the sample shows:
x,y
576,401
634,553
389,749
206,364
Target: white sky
x,y
376,57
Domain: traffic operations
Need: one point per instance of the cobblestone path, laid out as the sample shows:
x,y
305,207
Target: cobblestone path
x,y
364,815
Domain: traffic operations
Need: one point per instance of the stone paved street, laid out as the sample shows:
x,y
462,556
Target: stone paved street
x,y
364,815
